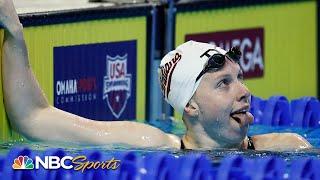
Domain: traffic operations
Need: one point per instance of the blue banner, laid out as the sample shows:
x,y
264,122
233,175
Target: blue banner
x,y
96,81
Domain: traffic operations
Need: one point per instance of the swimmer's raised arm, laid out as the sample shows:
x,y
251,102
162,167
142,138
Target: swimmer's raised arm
x,y
32,116
21,91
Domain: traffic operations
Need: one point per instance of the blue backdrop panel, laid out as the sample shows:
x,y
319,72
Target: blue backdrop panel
x,y
96,81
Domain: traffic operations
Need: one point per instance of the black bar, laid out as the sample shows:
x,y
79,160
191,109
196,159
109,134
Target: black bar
x,y
148,63
220,4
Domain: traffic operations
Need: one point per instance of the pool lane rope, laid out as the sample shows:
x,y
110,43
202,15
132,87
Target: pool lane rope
x,y
155,165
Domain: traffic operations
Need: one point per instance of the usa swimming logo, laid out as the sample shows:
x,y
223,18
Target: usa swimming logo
x,y
116,84
23,162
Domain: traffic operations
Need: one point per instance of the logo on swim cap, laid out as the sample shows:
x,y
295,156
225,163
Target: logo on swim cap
x,y
117,84
165,74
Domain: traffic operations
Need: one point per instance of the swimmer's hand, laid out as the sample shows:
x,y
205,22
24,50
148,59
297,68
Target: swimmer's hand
x,y
280,142
9,19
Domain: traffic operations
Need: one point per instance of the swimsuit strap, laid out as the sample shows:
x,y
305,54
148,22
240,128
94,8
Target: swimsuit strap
x,y
250,143
182,145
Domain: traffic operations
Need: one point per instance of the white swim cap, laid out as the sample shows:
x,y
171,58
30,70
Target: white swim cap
x,y
179,69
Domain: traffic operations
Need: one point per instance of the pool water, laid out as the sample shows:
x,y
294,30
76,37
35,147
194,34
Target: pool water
x,y
311,134
177,127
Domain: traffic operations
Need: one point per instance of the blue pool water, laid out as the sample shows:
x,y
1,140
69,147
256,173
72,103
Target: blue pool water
x,y
177,127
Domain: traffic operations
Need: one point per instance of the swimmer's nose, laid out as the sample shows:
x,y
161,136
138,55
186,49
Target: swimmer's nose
x,y
244,94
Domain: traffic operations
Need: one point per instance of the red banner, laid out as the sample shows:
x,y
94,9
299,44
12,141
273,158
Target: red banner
x,y
250,41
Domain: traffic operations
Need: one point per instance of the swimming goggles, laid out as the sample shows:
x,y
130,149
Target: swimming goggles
x,y
218,60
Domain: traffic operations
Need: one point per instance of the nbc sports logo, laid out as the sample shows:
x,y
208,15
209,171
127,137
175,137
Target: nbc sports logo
x,y
22,162
66,162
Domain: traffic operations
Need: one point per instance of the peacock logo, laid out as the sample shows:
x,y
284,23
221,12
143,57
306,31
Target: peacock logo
x,y
23,162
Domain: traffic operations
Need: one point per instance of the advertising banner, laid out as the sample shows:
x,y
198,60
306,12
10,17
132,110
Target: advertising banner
x,y
250,41
96,81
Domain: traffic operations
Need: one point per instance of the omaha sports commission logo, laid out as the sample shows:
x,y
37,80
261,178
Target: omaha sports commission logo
x,y
23,162
117,84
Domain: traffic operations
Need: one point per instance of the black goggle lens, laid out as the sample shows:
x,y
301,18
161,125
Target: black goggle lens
x,y
217,61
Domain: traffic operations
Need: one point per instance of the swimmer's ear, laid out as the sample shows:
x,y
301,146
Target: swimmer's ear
x,y
192,109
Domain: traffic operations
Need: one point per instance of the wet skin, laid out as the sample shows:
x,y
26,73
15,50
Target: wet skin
x,y
220,94
218,116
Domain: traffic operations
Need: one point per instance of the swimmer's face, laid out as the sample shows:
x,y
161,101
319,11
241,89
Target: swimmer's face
x,y
218,96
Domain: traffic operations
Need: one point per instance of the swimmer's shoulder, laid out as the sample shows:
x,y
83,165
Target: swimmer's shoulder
x,y
175,141
280,142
